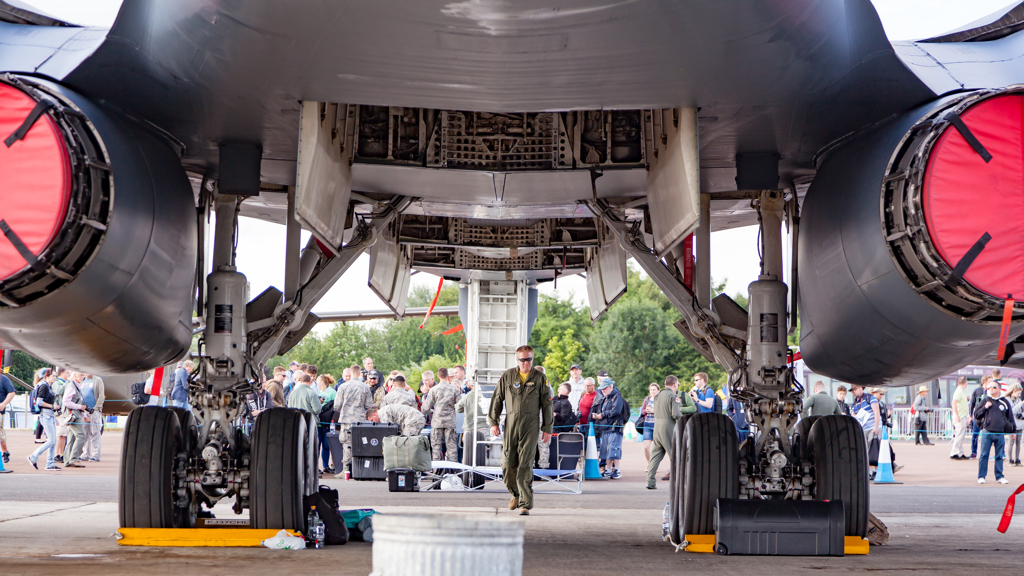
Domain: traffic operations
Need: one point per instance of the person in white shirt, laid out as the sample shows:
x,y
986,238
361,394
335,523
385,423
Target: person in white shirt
x,y
576,386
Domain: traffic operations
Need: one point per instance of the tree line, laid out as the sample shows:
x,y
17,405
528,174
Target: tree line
x,y
635,341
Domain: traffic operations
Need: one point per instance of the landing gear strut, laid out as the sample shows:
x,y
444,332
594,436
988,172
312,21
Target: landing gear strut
x,y
817,459
176,460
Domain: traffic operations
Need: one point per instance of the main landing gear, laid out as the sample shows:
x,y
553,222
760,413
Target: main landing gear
x,y
783,459
176,460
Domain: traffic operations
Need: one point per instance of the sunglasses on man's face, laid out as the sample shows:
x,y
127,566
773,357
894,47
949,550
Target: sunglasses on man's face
x,y
525,360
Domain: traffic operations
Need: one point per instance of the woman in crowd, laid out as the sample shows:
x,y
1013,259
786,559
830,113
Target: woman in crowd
x,y
45,400
327,393
647,411
1014,440
586,402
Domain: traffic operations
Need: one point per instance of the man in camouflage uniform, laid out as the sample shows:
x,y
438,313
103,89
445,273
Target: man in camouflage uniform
x,y
440,405
475,428
400,394
410,421
350,406
522,392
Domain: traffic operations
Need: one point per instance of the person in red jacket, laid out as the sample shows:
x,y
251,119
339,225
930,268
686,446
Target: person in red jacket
x,y
586,401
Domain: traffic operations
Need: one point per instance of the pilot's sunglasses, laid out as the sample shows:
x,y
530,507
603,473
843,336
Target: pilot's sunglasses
x,y
530,359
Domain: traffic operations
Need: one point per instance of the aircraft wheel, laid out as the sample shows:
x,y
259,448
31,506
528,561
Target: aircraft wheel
x,y
803,428
710,459
675,481
186,515
841,468
146,491
277,480
312,466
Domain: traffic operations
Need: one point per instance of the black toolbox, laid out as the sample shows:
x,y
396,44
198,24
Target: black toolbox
x,y
368,468
368,438
780,527
403,480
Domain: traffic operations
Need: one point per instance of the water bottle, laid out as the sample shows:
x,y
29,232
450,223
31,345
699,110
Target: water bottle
x,y
314,528
666,519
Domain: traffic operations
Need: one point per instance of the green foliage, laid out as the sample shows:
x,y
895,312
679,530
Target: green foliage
x,y
555,317
634,342
414,374
422,295
400,345
24,365
563,352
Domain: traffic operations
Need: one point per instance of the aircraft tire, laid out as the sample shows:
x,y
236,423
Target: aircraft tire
x,y
710,463
146,491
803,428
675,481
841,468
186,517
312,466
277,478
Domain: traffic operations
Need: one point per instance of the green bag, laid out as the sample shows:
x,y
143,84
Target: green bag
x,y
412,452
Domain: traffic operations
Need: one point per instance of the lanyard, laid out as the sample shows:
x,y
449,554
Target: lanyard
x,y
1004,523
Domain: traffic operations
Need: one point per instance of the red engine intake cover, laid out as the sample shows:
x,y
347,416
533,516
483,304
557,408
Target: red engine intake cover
x,y
964,196
35,180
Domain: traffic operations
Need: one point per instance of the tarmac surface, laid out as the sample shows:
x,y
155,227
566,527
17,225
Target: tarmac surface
x,y
940,520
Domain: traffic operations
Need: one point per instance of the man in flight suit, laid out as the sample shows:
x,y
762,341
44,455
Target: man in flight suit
x,y
522,392
668,407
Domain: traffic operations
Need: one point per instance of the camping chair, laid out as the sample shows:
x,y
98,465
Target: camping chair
x,y
566,455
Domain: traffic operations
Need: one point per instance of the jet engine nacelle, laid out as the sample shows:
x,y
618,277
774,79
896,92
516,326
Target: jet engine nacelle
x,y
910,242
97,265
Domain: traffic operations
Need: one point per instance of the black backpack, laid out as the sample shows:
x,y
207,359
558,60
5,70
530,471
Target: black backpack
x,y
626,412
32,400
139,396
335,531
716,406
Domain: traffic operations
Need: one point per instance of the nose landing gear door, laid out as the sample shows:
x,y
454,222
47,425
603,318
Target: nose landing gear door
x,y
606,272
390,270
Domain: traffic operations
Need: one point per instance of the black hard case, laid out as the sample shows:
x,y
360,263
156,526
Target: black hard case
x,y
368,438
780,527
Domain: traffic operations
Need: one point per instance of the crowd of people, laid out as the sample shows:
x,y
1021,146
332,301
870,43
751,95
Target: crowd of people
x,y
69,427
70,413
365,394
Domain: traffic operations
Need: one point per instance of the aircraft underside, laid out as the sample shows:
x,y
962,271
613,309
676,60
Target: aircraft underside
x,y
906,260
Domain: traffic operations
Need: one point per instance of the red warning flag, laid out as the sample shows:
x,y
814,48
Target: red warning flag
x,y
1004,523
158,377
452,330
434,303
1004,332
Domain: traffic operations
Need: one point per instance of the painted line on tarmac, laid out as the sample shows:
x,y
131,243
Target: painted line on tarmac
x,y
49,512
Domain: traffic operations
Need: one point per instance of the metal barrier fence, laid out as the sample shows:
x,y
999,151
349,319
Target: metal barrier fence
x,y
940,424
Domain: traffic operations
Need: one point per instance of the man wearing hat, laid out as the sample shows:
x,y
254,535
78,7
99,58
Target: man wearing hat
x,y
576,386
922,408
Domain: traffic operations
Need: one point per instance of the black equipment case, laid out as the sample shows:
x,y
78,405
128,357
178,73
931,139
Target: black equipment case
x,y
403,480
368,468
780,527
368,438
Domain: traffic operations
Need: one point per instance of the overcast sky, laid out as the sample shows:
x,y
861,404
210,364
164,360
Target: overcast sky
x,y
733,252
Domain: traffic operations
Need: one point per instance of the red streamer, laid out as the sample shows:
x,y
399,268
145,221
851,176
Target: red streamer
x,y
1004,523
158,378
1004,332
452,330
434,303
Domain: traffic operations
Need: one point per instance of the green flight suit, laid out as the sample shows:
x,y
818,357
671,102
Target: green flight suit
x,y
522,403
668,407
